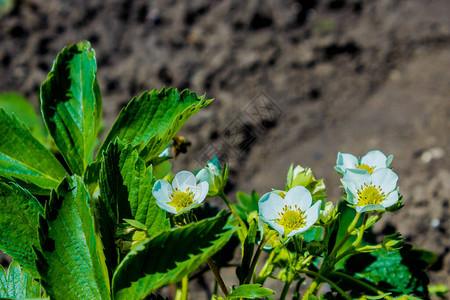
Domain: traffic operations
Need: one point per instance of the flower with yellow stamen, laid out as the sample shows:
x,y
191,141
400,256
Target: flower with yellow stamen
x,y
182,195
368,192
290,215
370,162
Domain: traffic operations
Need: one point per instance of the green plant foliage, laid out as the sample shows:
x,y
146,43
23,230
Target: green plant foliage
x,y
250,291
71,262
24,160
71,104
15,103
126,193
17,283
19,222
152,120
169,257
247,203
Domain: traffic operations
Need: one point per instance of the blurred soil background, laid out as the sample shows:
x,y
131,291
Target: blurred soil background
x,y
294,81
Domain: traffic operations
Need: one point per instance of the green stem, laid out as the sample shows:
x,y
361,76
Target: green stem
x,y
286,287
361,283
266,269
317,275
184,288
356,243
256,258
218,277
347,235
234,212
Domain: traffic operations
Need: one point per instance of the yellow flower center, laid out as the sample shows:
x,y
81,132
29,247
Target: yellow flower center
x,y
291,219
365,167
369,194
181,200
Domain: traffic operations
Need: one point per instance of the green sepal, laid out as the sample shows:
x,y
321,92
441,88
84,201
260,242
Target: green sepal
x,y
18,284
71,104
24,159
170,256
250,291
71,261
19,222
152,120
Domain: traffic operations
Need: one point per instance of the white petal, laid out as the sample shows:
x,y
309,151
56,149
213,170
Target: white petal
x,y
386,179
353,199
354,179
184,179
299,196
167,207
346,161
200,192
203,175
391,199
312,215
374,158
276,226
270,205
162,190
369,207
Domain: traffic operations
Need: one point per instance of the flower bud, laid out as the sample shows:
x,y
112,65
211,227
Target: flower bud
x,y
327,213
215,176
393,242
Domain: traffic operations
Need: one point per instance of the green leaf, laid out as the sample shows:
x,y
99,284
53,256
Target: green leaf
x,y
15,103
71,262
169,257
18,284
19,222
126,193
71,104
152,120
250,291
247,251
24,160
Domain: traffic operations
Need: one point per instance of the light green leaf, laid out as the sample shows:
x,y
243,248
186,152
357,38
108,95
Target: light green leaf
x,y
71,104
169,257
24,160
70,262
126,193
150,121
15,103
18,284
250,291
19,222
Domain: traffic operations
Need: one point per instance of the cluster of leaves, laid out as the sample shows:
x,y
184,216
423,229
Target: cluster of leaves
x,y
66,214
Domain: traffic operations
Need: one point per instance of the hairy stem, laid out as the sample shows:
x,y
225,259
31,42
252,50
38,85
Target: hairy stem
x,y
218,277
361,283
322,278
234,212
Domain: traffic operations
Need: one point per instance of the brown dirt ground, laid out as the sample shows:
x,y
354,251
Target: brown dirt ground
x,y
341,75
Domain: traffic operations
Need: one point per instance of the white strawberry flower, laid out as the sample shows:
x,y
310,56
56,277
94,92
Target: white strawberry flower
x,y
373,160
368,192
292,214
182,195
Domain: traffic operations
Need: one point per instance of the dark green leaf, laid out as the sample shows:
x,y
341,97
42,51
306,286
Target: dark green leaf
x,y
169,257
71,262
250,291
247,203
247,251
19,222
126,193
152,120
71,104
18,284
25,160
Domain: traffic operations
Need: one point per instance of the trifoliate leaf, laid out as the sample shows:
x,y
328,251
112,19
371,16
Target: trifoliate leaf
x,y
71,104
152,120
250,291
24,160
169,257
19,222
71,261
18,284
